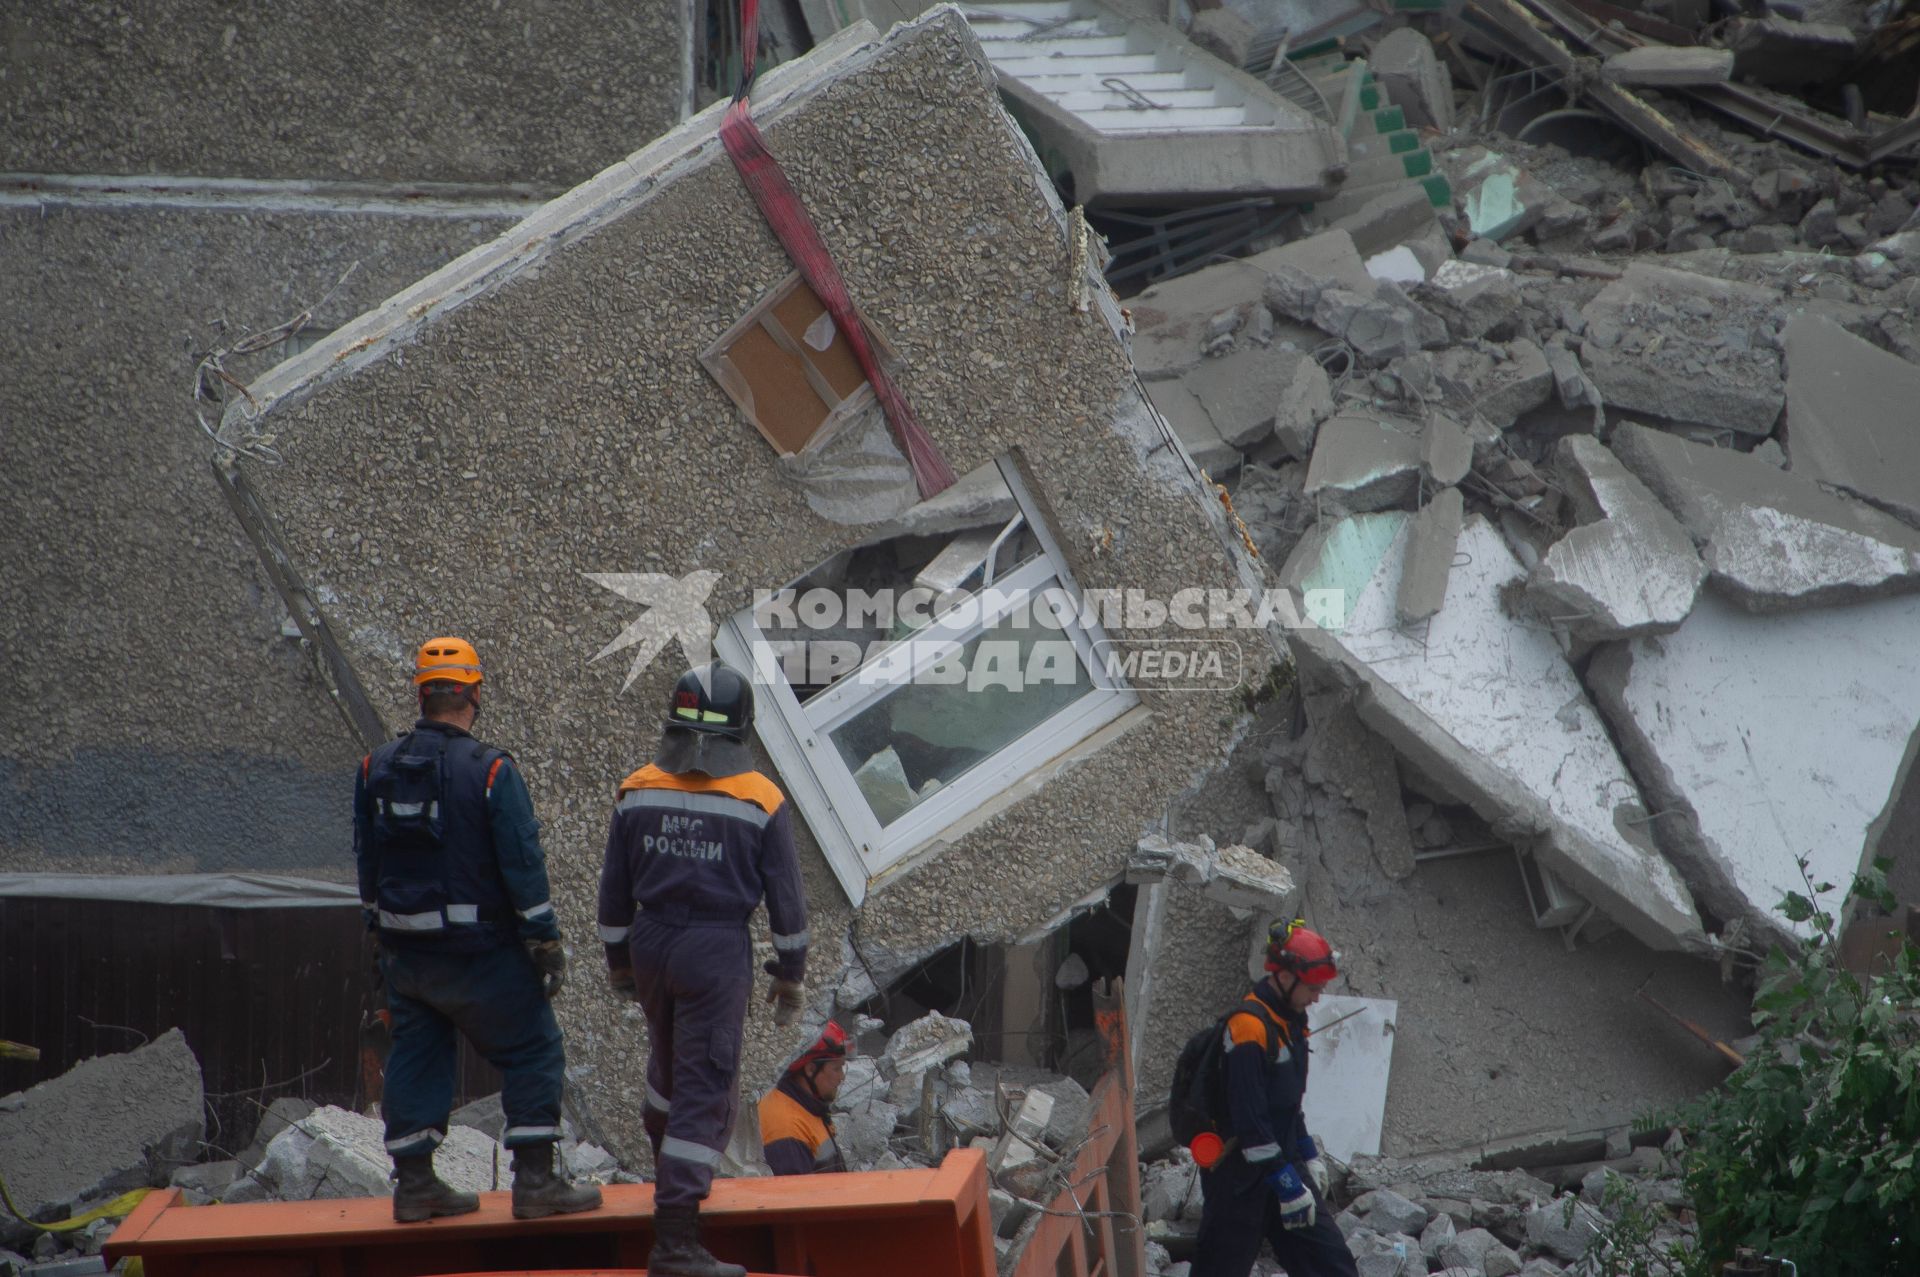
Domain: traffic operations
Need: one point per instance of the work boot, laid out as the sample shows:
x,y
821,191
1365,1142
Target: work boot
x,y
538,1192
419,1194
677,1251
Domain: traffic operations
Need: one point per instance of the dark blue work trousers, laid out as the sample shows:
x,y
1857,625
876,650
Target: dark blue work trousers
x,y
692,981
494,997
1237,1216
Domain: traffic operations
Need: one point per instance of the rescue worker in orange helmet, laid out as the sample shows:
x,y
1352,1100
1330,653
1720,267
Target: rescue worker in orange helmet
x,y
1271,1187
796,1117
454,883
699,838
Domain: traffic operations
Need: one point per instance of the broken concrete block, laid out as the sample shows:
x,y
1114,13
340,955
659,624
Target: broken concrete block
x,y
108,1124
1237,877
1786,54
927,1043
1853,415
1346,760
1467,1249
1378,326
1398,265
1571,385
1224,34
1564,1227
1329,257
211,1178
1239,391
1366,463
1472,298
1404,63
1772,539
1378,221
1192,425
1389,1212
1382,1255
1306,400
1446,450
279,1115
1767,738
1430,551
862,1133
1500,389
1439,1231
1487,706
1667,66
1499,198
1686,347
485,1115
1630,568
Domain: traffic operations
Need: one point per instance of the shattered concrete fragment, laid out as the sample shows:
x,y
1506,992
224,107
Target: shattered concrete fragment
x,y
1193,425
1379,326
1488,707
1384,1255
1472,298
1347,760
1766,738
1430,551
1853,415
1305,400
108,1124
1367,463
1564,1227
927,1043
1237,877
1499,198
1772,539
1386,1211
1664,66
1446,450
1787,54
1501,388
1571,385
1630,568
1686,347
1240,390
1404,63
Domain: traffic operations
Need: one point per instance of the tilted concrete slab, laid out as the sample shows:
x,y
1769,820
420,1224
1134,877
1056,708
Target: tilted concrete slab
x,y
1630,568
1685,347
1130,112
1762,739
1366,463
1771,539
1488,707
1853,415
1430,550
1657,67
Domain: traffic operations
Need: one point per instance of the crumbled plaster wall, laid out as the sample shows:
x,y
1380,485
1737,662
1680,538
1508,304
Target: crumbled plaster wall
x,y
152,717
590,439
547,93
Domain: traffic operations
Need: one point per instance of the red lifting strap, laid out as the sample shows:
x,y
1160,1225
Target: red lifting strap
x,y
780,205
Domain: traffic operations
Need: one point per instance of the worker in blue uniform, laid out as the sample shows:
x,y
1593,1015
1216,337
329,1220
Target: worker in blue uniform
x,y
698,839
1271,1186
796,1117
454,883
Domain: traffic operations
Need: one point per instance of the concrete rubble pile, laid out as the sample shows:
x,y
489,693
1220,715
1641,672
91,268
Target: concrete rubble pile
x,y
106,1126
1434,1215
1601,457
921,1096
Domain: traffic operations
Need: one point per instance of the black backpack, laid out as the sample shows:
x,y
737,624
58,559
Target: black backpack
x,y
1195,1101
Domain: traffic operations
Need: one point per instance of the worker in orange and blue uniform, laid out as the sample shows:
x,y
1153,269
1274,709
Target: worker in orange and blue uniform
x,y
1271,1186
698,838
796,1117
454,882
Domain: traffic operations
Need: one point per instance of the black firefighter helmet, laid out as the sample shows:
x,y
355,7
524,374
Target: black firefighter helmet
x,y
714,699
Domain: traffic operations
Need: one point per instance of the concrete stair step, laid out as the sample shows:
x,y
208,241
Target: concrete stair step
x,y
1377,144
1372,170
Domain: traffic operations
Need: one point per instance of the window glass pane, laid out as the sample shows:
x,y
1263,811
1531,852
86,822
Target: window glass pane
x,y
996,688
851,608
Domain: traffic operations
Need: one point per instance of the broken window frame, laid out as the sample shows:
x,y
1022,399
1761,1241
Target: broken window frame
x,y
797,736
717,359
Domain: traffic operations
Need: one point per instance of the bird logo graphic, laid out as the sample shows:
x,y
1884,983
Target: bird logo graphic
x,y
676,608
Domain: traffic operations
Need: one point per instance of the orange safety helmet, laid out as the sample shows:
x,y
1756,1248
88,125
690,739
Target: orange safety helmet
x,y
447,660
1292,946
832,1044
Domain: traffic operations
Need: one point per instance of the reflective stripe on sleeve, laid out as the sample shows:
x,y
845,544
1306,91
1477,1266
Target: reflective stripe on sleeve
x,y
614,935
1261,1152
540,910
688,1151
463,913
798,940
418,1142
658,1102
412,921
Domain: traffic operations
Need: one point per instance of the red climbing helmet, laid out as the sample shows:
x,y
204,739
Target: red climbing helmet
x,y
1292,946
832,1044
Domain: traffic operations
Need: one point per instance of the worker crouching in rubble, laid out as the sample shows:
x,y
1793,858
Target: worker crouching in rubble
x,y
1271,1186
454,882
698,838
796,1117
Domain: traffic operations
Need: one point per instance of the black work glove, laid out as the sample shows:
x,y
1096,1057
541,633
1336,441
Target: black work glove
x,y
550,960
789,996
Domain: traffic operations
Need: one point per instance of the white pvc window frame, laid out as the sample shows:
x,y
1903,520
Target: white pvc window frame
x,y
797,736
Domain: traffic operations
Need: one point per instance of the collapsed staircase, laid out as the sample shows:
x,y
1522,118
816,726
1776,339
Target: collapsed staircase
x,y
1393,186
1126,113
